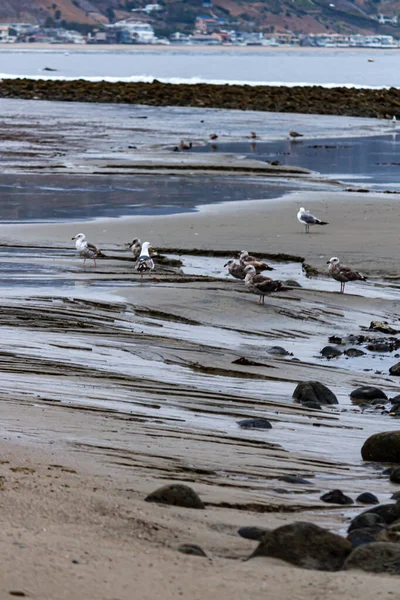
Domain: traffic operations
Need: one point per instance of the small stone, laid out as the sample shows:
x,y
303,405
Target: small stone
x,y
395,475
305,545
367,393
192,549
358,537
252,533
258,423
336,497
294,479
382,327
382,447
377,557
314,391
367,498
176,494
354,352
331,352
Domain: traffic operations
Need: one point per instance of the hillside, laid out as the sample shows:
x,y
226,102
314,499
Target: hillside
x,y
299,16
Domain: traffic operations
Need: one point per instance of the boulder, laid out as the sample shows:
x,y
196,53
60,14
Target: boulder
x,y
252,532
176,494
384,514
378,557
395,370
353,352
367,498
258,423
358,537
336,497
314,391
365,521
278,351
391,534
395,475
331,352
367,393
305,545
382,447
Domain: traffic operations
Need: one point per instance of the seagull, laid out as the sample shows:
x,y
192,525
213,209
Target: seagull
x,y
394,120
144,263
253,135
236,267
342,273
308,219
294,134
261,285
135,246
86,249
246,259
185,146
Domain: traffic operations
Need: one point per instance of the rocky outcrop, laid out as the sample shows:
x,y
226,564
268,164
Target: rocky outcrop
x,y
305,545
382,447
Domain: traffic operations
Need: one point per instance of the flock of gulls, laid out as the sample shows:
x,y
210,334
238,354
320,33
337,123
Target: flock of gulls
x,y
245,267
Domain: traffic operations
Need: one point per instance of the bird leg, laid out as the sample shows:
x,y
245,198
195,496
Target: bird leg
x,y
141,278
307,228
94,261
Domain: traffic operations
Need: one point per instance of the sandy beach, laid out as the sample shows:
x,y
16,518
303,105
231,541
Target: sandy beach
x,y
111,389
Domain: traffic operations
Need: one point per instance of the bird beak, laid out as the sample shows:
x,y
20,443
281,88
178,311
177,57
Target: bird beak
x,y
73,237
226,264
328,262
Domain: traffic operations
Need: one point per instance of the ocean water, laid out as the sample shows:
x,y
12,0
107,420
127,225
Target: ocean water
x,y
303,66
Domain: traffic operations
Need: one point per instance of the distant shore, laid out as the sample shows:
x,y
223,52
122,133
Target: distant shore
x,y
377,103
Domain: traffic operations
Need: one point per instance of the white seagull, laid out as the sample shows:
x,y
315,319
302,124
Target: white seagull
x,y
86,249
308,219
144,263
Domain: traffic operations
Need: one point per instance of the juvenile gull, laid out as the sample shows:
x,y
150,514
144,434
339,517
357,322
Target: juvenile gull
x,y
144,263
86,249
342,273
246,259
308,219
136,247
236,267
258,284
294,134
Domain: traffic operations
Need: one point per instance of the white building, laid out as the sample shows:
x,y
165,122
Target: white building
x,y
138,31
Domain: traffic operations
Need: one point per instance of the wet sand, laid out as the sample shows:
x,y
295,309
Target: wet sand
x,y
110,389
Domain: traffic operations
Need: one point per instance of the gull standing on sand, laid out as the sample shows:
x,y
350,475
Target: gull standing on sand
x,y
294,135
342,273
144,263
86,249
308,219
258,284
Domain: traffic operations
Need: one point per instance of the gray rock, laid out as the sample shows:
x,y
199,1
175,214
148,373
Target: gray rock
x,y
278,351
311,404
359,537
391,534
331,352
395,370
395,496
258,423
384,514
336,497
395,475
354,352
366,520
305,545
252,533
367,498
366,393
176,494
382,447
294,479
192,549
292,283
378,557
314,391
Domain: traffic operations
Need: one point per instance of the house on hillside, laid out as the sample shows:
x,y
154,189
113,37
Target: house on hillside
x,y
134,32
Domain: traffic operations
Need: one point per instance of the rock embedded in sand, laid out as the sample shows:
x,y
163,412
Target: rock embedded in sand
x,y
359,537
377,557
395,475
314,391
336,497
305,545
384,514
366,520
252,532
367,393
311,404
395,370
382,447
292,283
278,351
259,423
294,479
176,494
367,498
353,352
192,549
331,352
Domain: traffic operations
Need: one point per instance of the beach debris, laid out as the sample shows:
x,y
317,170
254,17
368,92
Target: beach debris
x,y
371,60
395,475
305,545
367,498
343,274
252,532
336,497
383,327
314,391
176,494
86,249
192,549
247,362
331,352
258,284
295,134
307,219
258,423
382,447
377,557
144,263
367,393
